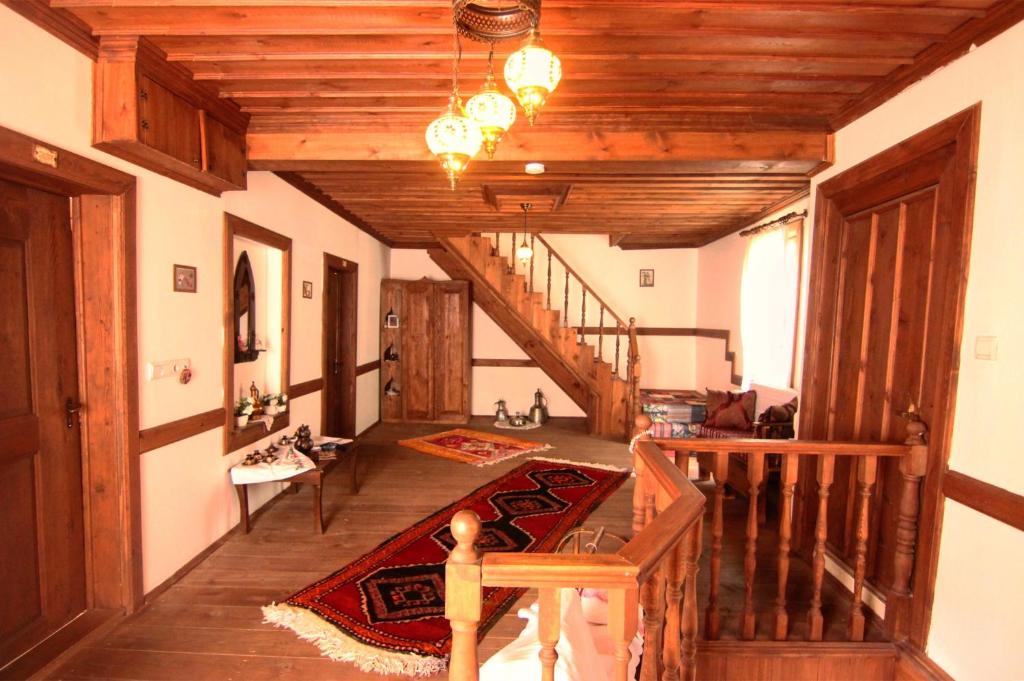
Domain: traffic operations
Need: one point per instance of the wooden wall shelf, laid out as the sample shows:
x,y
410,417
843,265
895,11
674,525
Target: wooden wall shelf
x,y
150,112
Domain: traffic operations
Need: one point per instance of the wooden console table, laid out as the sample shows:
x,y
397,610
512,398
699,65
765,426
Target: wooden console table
x,y
314,477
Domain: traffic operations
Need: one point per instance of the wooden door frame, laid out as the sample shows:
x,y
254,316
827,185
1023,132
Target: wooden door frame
x,y
947,151
103,242
350,318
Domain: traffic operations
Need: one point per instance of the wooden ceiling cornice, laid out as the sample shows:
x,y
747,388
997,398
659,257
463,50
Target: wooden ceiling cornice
x,y
678,121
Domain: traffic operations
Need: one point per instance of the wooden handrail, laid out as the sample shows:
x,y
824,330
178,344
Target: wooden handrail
x,y
558,570
583,284
806,447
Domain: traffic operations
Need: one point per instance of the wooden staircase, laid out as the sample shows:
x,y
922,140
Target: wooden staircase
x,y
603,383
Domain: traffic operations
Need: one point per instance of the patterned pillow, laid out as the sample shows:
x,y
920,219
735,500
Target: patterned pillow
x,y
730,410
780,413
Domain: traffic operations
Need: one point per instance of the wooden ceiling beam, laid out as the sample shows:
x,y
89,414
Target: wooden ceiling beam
x,y
617,20
537,144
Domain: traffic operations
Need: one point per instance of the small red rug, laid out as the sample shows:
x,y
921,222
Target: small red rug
x,y
385,611
471,446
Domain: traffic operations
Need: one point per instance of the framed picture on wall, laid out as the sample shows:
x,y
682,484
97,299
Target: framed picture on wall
x,y
646,278
307,289
184,278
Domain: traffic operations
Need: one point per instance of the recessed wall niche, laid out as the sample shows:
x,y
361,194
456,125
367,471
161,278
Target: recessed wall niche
x,y
257,324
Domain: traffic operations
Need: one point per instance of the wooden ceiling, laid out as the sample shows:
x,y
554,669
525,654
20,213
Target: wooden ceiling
x,y
677,122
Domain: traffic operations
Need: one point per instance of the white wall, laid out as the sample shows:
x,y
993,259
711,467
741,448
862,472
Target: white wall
x,y
976,620
187,501
719,276
668,362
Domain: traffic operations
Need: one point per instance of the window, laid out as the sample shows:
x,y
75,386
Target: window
x,y
768,305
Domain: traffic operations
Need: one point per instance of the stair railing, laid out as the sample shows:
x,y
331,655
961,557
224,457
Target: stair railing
x,y
572,282
656,569
863,457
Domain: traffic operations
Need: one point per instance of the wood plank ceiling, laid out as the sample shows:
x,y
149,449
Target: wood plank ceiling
x,y
677,122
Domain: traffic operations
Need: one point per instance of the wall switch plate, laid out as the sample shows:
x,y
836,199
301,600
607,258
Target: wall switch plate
x,y
167,369
986,347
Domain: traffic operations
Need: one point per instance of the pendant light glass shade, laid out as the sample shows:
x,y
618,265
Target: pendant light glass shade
x,y
524,252
492,111
532,73
454,140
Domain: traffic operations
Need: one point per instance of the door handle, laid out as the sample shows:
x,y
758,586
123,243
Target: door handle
x,y
70,409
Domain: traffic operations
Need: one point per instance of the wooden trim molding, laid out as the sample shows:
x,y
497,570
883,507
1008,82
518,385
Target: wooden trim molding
x,y
914,665
182,429
305,388
368,367
312,191
520,363
995,502
60,22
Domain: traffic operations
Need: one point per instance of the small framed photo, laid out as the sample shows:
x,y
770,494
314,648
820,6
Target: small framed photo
x,y
185,278
391,321
646,278
307,289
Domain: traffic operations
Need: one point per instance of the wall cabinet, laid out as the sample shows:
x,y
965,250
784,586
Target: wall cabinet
x,y
426,359
152,113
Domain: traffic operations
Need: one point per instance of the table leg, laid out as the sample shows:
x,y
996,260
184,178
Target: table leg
x,y
243,506
353,486
318,518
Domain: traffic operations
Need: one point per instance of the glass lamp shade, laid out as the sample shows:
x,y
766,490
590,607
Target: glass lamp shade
x,y
493,112
532,73
524,252
454,140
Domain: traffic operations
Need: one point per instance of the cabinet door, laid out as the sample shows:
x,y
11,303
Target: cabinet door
x,y
417,354
168,123
452,364
225,151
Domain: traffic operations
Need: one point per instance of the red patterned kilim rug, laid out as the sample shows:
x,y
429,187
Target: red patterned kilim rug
x,y
471,446
385,611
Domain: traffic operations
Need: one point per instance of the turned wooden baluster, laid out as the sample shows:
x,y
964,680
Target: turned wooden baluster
x,y
675,572
640,491
549,617
583,317
497,244
463,595
618,329
719,470
691,560
826,470
652,597
867,469
549,279
912,469
755,474
788,477
533,253
565,306
623,616
600,335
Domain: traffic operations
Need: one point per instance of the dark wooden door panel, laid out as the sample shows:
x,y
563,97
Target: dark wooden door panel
x,y
42,532
417,362
451,351
340,314
168,123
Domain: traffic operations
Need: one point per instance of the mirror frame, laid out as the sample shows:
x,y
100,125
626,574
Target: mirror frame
x,y
235,439
244,268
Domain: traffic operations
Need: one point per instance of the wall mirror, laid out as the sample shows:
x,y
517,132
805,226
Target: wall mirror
x,y
257,330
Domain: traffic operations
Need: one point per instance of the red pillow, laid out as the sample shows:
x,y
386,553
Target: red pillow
x,y
730,410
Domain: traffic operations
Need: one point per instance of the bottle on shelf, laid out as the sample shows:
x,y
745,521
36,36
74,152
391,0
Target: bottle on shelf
x,y
390,389
390,355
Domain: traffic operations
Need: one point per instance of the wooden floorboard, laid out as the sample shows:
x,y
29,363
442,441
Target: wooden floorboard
x,y
208,625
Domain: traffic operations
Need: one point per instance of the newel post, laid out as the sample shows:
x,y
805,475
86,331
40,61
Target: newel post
x,y
642,497
463,595
912,469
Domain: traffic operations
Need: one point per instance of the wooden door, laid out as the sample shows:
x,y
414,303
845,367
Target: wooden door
x,y
42,560
452,361
168,123
339,398
417,353
884,323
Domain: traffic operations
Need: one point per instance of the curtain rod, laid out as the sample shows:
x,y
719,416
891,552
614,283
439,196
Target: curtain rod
x,y
778,222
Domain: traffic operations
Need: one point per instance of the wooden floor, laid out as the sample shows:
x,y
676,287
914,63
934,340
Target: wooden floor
x,y
208,625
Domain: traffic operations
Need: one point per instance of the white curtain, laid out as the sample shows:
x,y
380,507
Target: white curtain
x,y
768,306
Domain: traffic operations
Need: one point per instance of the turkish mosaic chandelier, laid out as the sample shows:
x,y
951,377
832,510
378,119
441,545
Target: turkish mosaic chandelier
x,y
532,73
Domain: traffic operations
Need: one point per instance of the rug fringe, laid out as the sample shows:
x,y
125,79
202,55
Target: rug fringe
x,y
335,645
491,462
600,466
